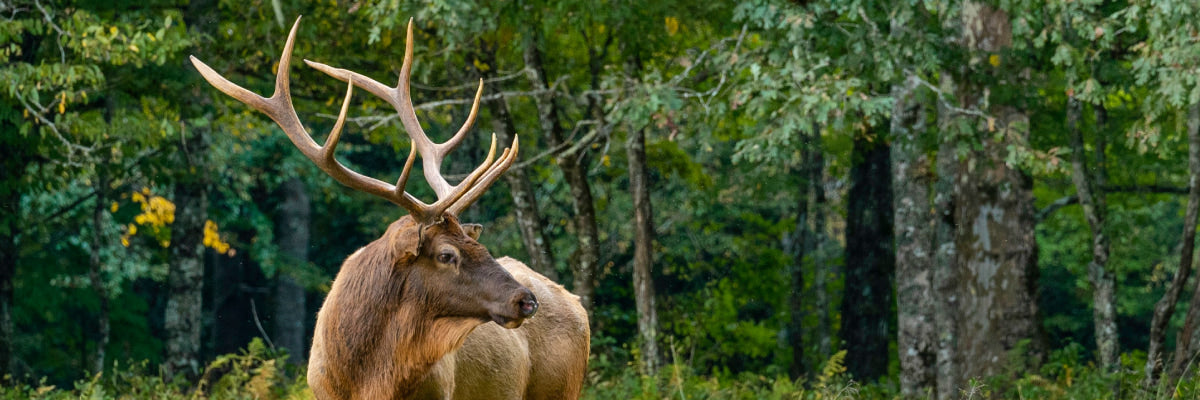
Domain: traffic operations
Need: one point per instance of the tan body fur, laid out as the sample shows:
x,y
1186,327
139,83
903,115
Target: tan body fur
x,y
411,355
545,358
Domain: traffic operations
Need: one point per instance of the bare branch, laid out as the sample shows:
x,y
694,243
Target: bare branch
x,y
39,112
373,122
942,98
50,21
470,86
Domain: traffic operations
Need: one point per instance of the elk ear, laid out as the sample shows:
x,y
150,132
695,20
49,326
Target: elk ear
x,y
472,230
404,241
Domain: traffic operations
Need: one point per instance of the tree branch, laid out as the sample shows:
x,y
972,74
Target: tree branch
x,y
1074,199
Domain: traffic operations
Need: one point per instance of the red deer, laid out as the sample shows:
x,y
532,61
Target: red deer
x,y
408,314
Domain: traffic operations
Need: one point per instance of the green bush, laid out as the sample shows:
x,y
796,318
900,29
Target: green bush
x,y
256,373
260,373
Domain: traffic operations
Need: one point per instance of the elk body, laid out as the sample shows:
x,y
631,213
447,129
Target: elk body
x,y
410,314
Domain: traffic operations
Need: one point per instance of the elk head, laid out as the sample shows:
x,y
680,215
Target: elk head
x,y
426,261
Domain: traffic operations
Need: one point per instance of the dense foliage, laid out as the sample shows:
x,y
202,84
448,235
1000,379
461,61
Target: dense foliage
x,y
103,120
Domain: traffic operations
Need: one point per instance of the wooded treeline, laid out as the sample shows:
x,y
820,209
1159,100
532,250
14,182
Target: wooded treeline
x,y
942,189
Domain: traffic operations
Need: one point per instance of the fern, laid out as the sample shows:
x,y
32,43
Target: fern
x,y
833,368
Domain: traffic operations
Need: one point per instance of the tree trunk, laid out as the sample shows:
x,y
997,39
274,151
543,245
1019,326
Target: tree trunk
x,y
1165,308
8,268
1091,198
1184,351
945,271
185,276
574,169
185,271
800,248
15,157
292,231
643,252
95,270
997,261
525,204
994,238
911,179
870,262
823,272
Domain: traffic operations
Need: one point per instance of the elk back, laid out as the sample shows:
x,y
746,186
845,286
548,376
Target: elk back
x,y
545,358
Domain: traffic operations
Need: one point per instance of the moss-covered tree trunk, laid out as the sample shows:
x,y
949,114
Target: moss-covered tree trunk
x,y
911,184
945,272
292,222
996,266
801,237
870,262
643,252
823,270
997,261
185,276
1092,200
95,270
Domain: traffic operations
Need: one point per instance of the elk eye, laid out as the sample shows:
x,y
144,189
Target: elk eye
x,y
447,258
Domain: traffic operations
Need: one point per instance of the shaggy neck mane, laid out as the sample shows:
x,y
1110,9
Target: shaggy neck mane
x,y
389,335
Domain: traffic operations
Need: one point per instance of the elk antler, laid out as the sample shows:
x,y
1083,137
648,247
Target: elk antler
x,y
432,153
451,199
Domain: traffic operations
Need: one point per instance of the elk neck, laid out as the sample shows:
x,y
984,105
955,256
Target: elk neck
x,y
384,328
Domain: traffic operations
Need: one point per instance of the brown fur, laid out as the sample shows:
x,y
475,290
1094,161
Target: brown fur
x,y
546,357
396,322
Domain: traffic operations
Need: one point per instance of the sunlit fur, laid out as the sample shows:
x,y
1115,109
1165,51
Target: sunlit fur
x,y
394,313
546,358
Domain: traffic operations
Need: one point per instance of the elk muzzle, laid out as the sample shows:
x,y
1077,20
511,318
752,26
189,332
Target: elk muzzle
x,y
523,305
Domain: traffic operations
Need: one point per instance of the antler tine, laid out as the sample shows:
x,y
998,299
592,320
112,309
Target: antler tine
x,y
493,173
432,154
469,182
279,108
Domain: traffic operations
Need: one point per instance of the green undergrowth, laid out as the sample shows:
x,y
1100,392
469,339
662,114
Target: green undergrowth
x,y
260,373
255,373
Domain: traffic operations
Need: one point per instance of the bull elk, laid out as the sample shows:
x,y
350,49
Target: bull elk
x,y
407,316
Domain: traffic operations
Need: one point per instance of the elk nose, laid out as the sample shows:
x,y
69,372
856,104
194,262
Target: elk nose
x,y
527,304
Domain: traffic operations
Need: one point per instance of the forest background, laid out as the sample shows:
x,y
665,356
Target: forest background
x,y
926,198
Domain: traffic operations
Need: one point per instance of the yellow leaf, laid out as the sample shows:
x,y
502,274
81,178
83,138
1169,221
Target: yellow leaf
x,y
672,25
605,160
165,243
483,67
113,207
124,241
133,47
994,59
151,36
112,30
